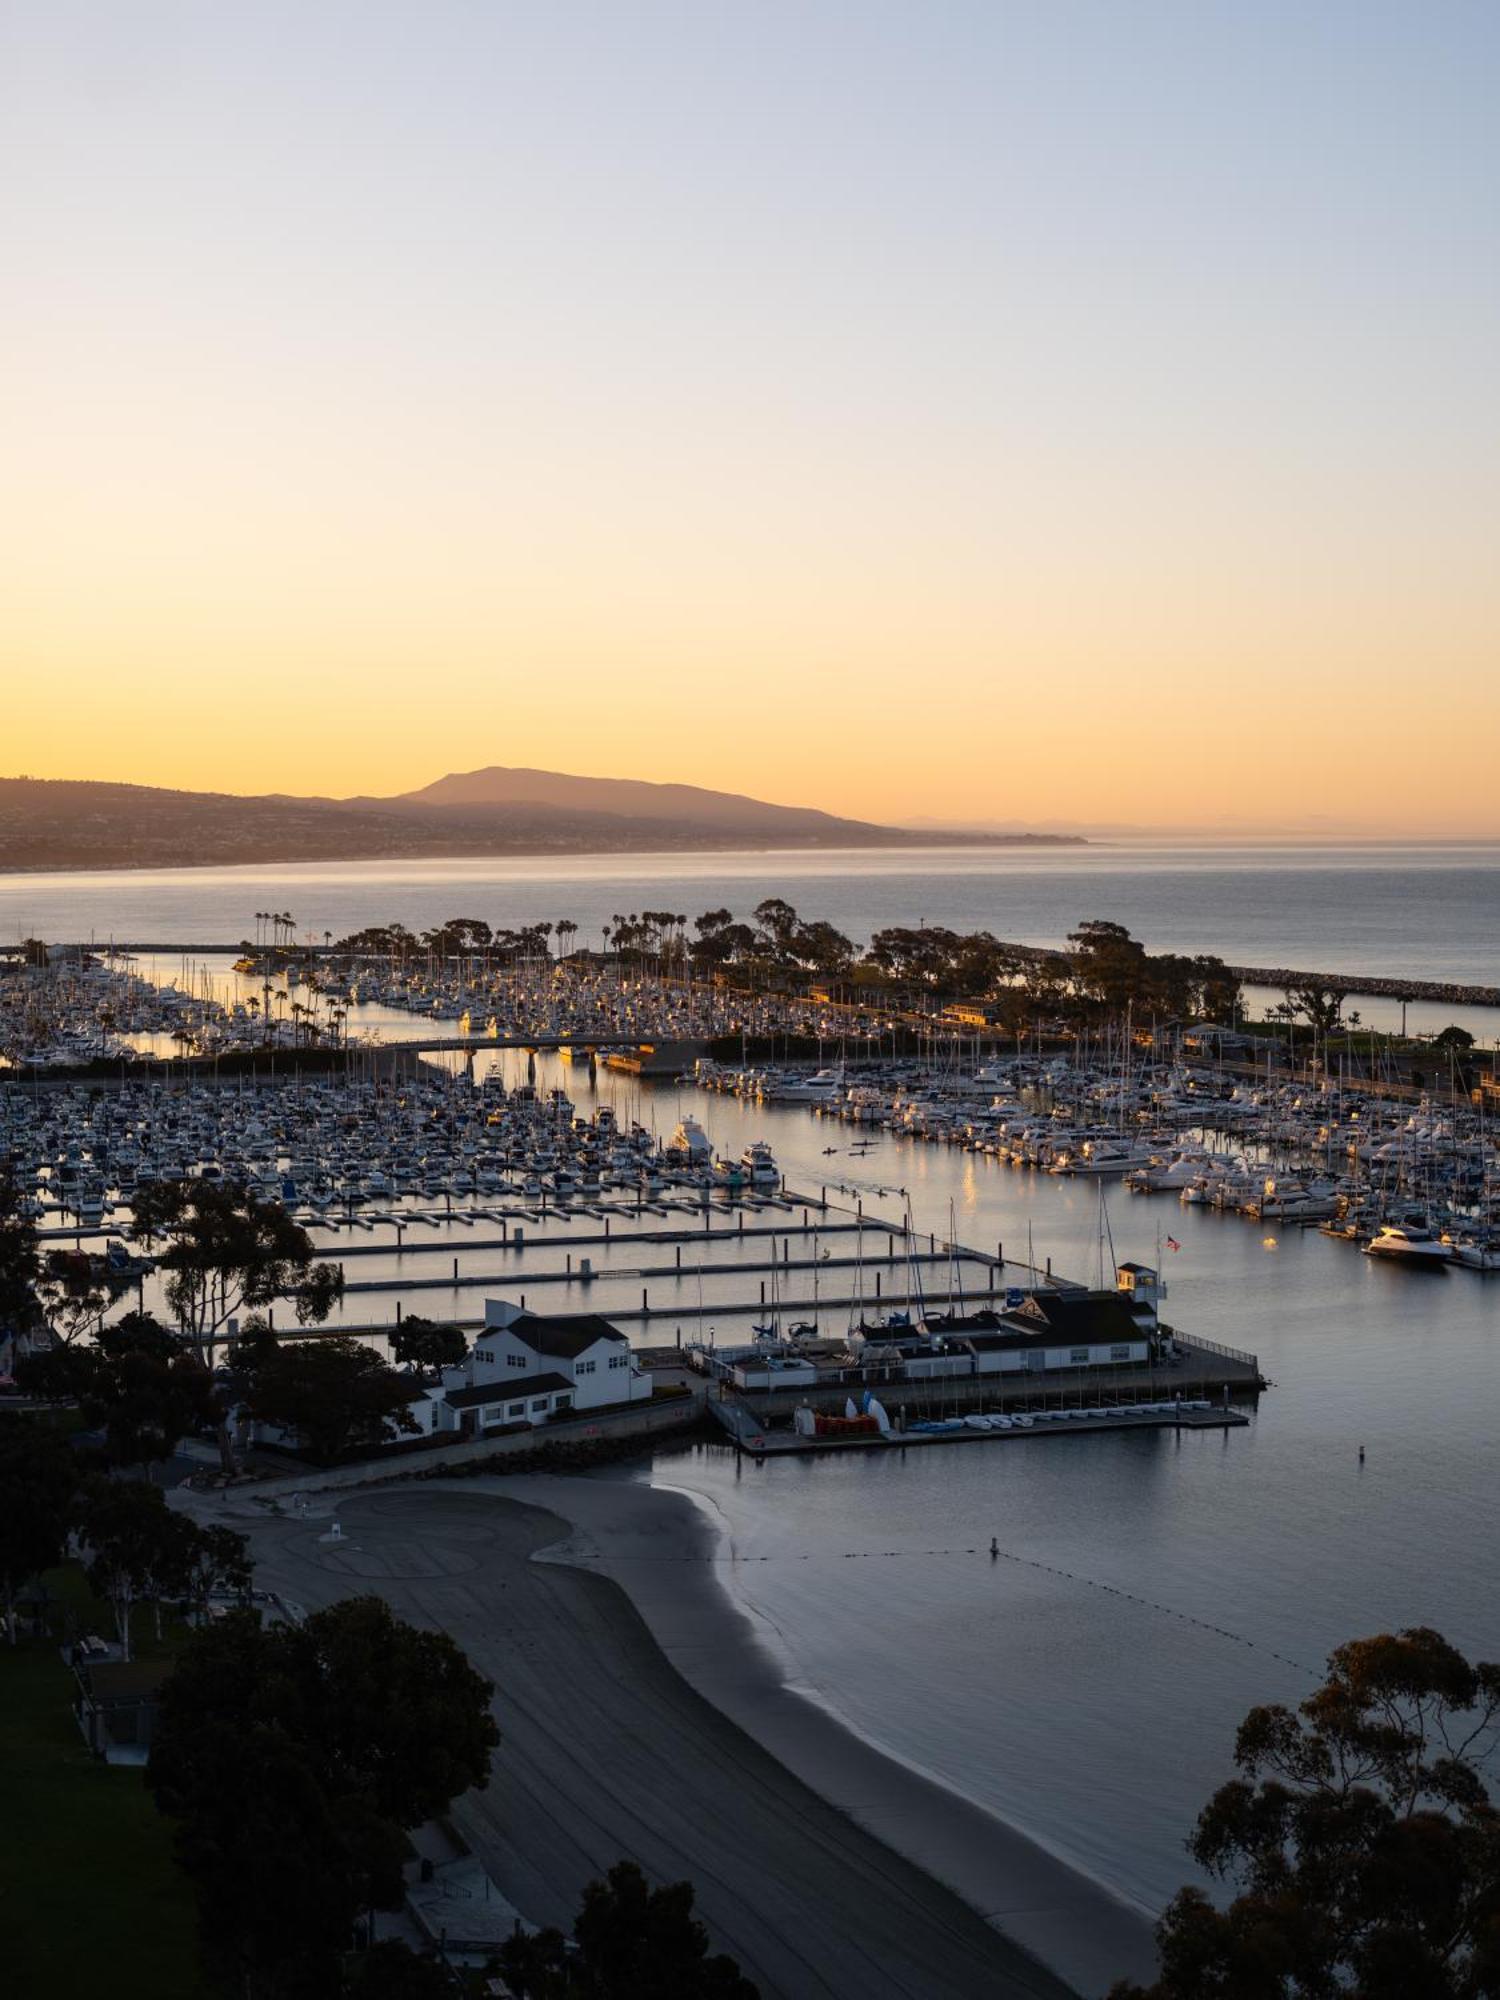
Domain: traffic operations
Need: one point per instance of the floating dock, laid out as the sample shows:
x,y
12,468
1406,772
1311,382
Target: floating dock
x,y
746,1432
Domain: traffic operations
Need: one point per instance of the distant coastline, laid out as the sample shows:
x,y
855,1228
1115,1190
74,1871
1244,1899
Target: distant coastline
x,y
55,825
122,864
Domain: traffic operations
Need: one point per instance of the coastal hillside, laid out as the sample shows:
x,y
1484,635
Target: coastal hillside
x,y
635,799
67,823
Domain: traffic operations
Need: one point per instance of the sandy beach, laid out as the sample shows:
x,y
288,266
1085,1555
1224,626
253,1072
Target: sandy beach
x,y
640,1717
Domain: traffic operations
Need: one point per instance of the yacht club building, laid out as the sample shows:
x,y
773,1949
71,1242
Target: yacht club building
x,y
525,1367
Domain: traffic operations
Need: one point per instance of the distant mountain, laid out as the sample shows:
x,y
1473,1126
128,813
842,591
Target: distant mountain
x,y
68,823
635,799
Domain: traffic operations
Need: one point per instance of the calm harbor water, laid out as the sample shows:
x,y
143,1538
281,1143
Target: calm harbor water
x,y
1086,1684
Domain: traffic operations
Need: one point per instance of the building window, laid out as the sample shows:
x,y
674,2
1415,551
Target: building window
x,y
563,1403
1079,1357
538,1403
587,1367
515,1360
1119,1354
516,1410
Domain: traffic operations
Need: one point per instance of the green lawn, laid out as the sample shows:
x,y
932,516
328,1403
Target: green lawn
x,y
91,1900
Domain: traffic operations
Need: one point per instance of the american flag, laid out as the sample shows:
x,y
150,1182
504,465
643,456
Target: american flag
x,y
1173,1244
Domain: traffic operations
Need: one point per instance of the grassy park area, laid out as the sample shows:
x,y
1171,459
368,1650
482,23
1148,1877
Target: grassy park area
x,y
92,1899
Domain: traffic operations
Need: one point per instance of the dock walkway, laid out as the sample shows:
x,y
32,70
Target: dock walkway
x,y
751,1437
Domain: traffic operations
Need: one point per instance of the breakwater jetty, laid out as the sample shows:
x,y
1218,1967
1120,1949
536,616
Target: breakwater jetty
x,y
1375,984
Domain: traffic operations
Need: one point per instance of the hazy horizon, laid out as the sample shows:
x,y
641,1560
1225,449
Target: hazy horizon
x,y
1079,414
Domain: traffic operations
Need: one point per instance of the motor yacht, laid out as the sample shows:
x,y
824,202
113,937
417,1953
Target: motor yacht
x,y
821,1088
1410,1243
689,1145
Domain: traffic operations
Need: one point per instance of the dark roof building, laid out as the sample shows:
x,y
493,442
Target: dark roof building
x,y
1074,1318
564,1336
500,1390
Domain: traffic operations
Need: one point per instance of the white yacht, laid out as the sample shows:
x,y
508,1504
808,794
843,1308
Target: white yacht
x,y
689,1145
821,1088
1410,1243
760,1163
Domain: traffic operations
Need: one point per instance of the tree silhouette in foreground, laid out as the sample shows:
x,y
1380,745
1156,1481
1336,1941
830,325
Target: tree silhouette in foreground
x,y
391,1970
293,1759
38,1506
1361,1838
136,1382
630,1942
20,1261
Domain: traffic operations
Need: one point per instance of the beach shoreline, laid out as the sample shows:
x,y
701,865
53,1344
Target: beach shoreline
x,y
656,1542
609,1748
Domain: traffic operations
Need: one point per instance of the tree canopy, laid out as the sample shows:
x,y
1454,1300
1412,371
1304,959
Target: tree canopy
x,y
629,1941
137,1383
226,1250
20,1262
1360,1837
1453,1040
293,1758
1104,973
38,1503
426,1343
336,1395
75,1291
1321,1007
136,1547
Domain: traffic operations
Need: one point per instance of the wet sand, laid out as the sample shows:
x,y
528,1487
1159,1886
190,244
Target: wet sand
x,y
663,1733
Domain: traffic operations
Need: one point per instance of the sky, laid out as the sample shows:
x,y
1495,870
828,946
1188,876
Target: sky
x,y
1014,411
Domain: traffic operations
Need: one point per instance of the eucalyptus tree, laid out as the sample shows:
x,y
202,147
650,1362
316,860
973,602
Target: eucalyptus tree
x,y
1360,1839
224,1251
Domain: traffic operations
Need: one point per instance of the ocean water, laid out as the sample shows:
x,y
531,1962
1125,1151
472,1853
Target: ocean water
x,y
1422,912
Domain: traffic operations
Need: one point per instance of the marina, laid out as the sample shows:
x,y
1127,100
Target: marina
x,y
938,1181
418,1162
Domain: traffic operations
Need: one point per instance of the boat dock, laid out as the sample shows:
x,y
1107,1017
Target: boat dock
x,y
1067,1421
749,1435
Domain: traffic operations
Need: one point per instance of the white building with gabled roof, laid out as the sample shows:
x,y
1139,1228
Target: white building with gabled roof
x,y
526,1367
